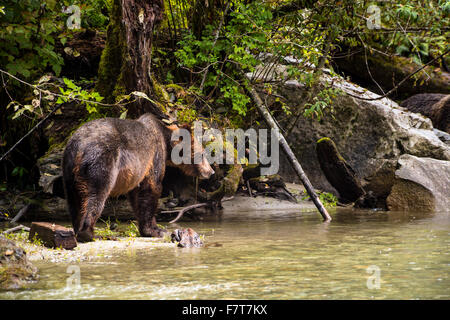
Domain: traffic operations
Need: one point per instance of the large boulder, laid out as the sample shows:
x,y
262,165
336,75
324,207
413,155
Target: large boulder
x,y
420,184
370,135
432,105
15,269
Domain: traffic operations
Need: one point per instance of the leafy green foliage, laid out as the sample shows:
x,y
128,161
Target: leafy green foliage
x,y
320,102
219,54
328,199
94,13
251,37
74,91
27,30
46,99
414,28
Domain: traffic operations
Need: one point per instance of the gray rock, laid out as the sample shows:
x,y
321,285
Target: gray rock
x,y
443,136
421,184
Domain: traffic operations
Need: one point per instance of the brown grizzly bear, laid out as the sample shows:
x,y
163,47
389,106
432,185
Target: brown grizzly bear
x,y
111,157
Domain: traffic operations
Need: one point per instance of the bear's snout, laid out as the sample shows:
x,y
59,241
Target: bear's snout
x,y
208,173
205,170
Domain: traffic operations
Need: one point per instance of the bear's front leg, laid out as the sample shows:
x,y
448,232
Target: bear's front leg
x,y
144,201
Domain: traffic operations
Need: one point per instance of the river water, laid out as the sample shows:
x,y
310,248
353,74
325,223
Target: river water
x,y
273,255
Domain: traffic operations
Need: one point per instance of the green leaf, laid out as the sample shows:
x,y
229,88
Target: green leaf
x,y
123,115
70,84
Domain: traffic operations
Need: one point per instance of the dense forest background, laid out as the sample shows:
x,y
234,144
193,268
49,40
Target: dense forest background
x,y
82,60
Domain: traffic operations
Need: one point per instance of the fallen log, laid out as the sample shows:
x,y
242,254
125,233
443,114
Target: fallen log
x,y
53,235
388,71
432,105
20,213
287,150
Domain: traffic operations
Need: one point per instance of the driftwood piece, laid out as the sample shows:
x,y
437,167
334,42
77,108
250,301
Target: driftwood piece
x,y
272,185
183,210
340,175
53,235
16,228
20,213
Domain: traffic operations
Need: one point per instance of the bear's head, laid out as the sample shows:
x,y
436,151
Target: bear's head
x,y
184,145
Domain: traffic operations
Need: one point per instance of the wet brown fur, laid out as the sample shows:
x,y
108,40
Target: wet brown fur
x,y
111,157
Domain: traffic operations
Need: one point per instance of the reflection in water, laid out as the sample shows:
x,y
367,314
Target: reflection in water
x,y
274,255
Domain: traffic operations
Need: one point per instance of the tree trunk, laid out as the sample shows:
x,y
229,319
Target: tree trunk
x,y
125,65
205,12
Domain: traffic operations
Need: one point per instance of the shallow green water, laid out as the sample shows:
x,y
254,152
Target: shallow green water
x,y
273,255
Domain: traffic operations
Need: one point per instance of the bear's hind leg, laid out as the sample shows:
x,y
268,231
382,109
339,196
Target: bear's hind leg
x,y
99,181
94,208
144,201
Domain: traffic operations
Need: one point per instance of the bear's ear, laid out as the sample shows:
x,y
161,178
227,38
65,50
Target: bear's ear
x,y
185,126
172,127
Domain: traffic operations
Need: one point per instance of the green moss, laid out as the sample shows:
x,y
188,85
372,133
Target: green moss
x,y
186,115
231,180
159,91
333,147
328,199
323,139
110,75
174,86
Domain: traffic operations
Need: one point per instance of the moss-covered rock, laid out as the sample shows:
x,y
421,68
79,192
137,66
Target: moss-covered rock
x,y
338,172
15,269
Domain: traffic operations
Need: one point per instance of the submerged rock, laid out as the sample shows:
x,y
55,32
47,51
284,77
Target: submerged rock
x,y
187,238
15,269
421,184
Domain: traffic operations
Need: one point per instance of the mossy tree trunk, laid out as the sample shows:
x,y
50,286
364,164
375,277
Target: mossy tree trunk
x,y
203,13
125,65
